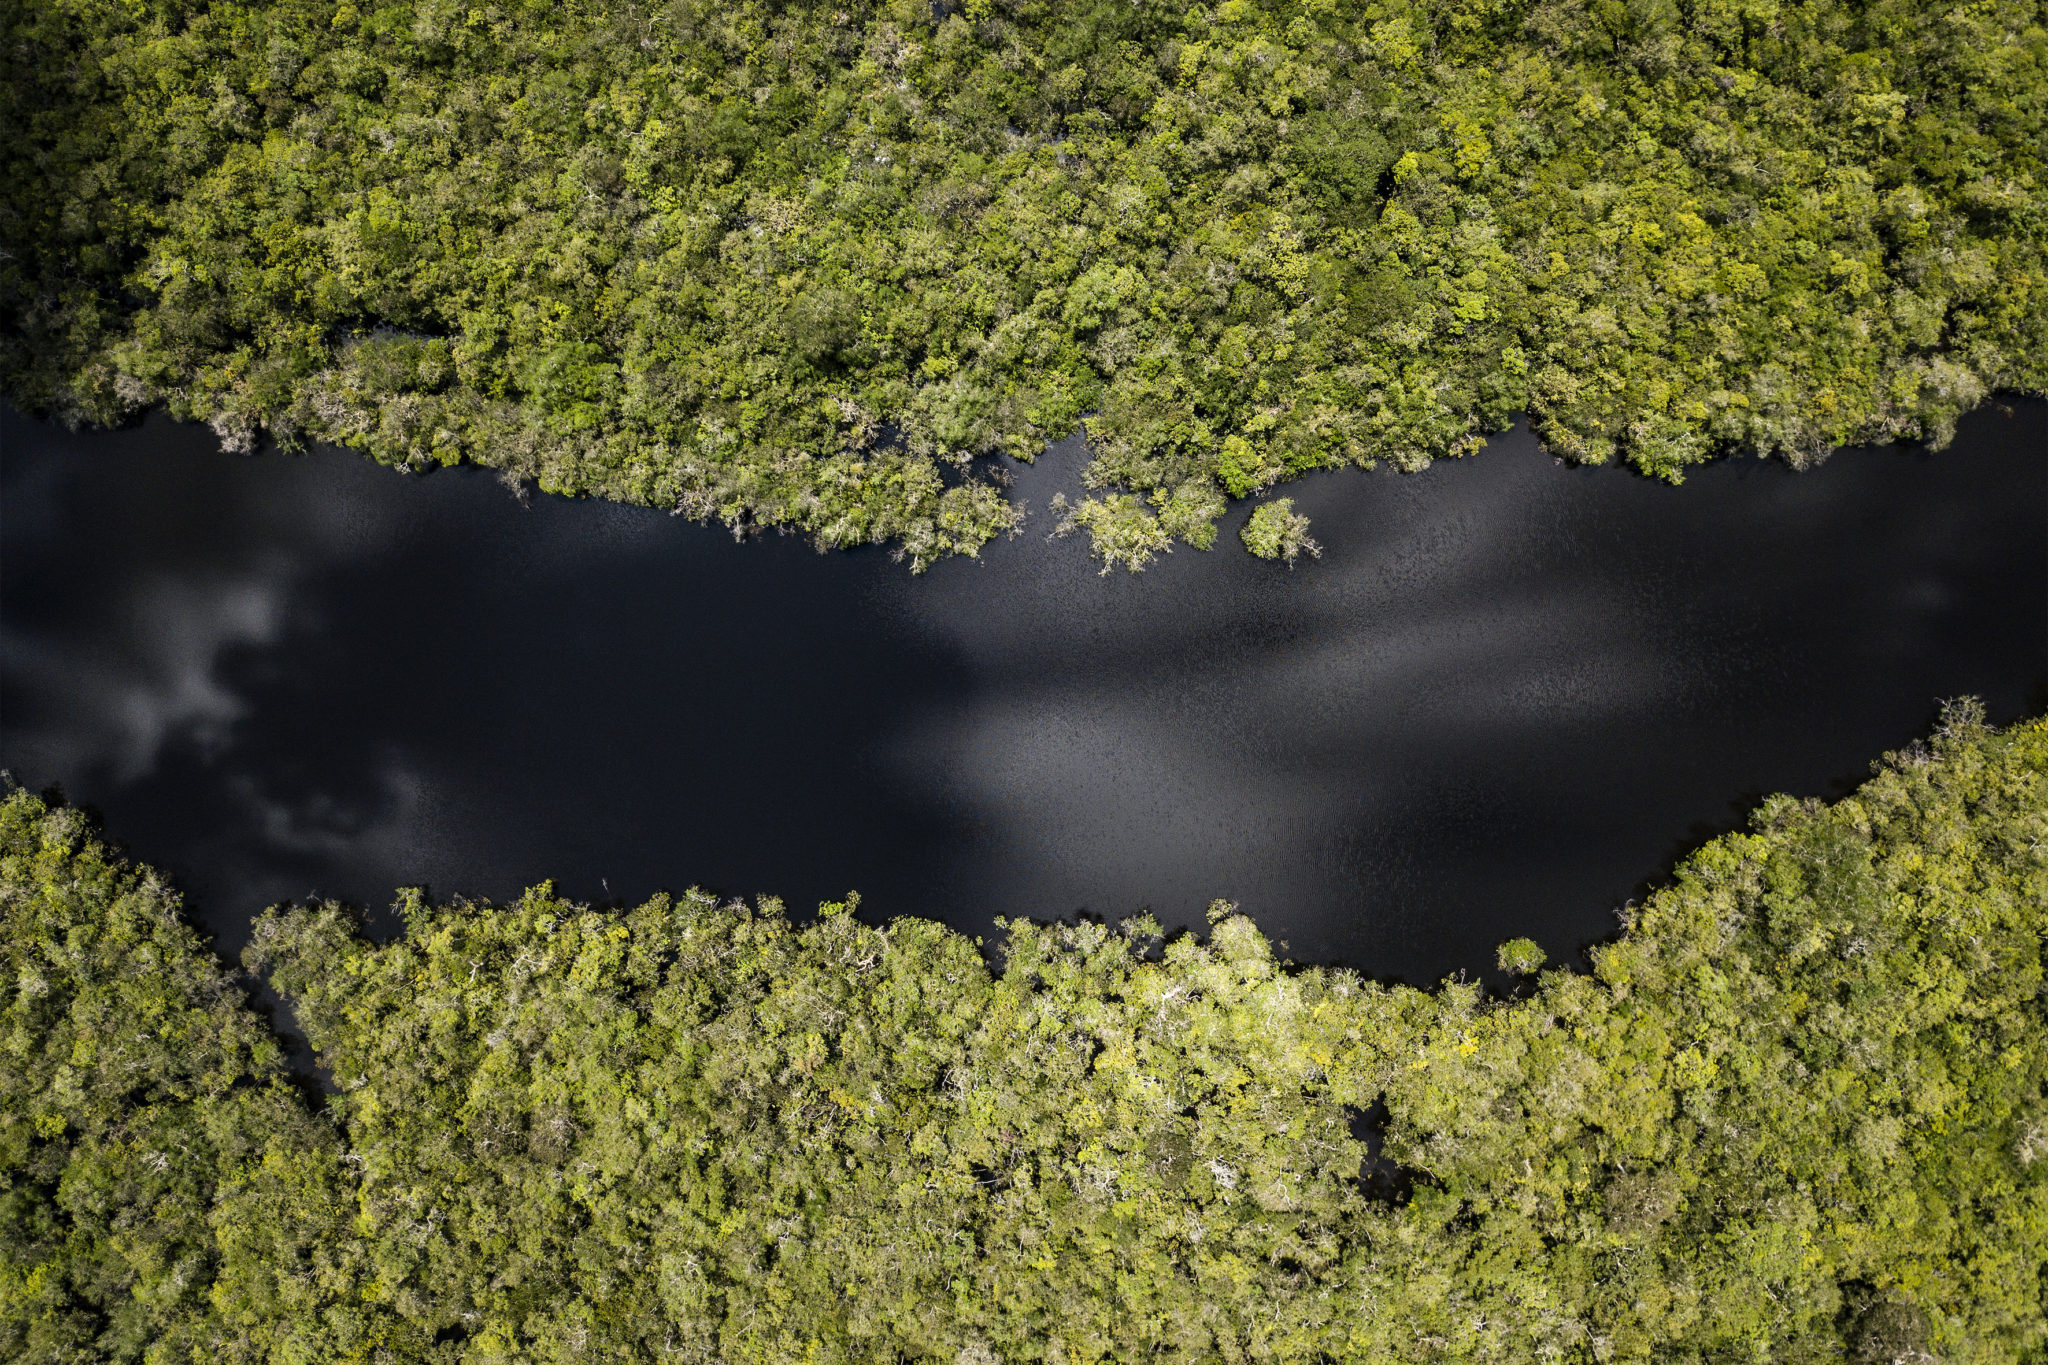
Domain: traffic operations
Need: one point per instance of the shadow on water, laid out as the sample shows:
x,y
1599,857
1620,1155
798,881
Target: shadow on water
x,y
1505,700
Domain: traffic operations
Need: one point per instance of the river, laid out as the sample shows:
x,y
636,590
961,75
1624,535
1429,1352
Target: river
x,y
1508,696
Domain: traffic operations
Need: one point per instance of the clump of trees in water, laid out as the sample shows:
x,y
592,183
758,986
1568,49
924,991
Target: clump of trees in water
x,y
801,264
1794,1113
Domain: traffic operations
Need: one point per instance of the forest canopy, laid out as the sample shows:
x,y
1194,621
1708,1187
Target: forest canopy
x,y
1797,1111
810,265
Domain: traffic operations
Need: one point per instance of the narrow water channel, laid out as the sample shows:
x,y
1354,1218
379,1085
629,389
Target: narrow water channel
x,y
1508,695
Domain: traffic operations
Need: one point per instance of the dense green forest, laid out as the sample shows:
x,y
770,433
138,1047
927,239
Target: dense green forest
x,y
1797,1112
809,264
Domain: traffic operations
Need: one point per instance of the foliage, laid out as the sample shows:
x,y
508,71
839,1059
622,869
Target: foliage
x,y
1119,529
1796,1112
163,1193
1522,956
1276,531
803,264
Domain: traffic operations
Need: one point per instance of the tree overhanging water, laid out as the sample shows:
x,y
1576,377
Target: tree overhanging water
x,y
1507,696
802,265
1795,1112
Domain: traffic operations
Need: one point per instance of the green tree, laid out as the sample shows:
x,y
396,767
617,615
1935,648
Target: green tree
x,y
1276,531
1521,956
1796,1111
809,265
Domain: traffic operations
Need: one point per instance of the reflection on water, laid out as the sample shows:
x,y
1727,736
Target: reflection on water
x,y
1507,694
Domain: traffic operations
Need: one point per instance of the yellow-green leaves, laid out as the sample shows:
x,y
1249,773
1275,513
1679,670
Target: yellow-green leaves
x,y
1276,531
1796,1114
664,258
1521,956
1121,532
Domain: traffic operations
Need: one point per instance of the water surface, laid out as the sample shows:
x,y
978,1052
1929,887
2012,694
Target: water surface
x,y
1505,699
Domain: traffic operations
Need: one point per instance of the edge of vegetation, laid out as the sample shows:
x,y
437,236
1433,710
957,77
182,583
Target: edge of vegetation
x,y
1798,1111
804,265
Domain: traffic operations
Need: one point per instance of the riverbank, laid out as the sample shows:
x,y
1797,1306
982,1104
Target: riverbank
x,y
1505,699
1795,1110
712,263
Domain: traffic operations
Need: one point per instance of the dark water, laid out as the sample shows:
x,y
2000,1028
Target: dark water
x,y
1508,695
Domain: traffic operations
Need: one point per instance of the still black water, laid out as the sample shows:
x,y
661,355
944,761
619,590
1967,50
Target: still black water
x,y
1508,696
